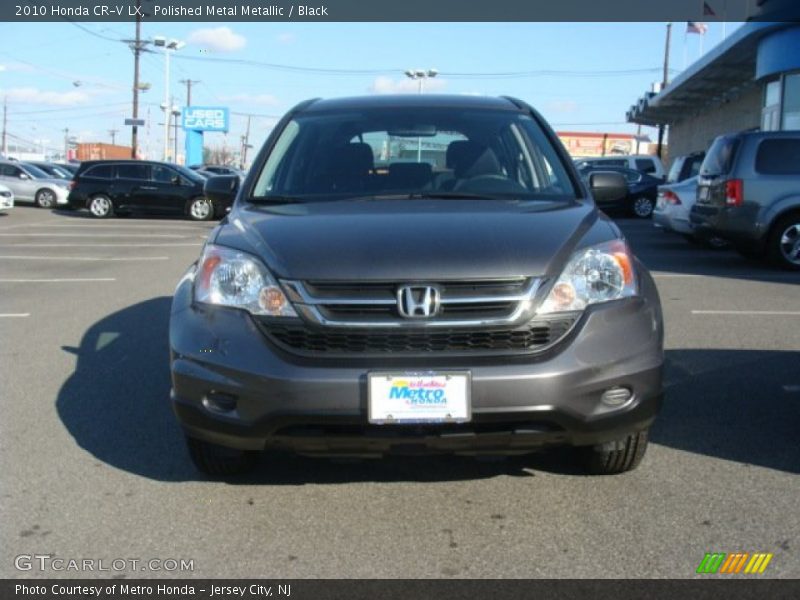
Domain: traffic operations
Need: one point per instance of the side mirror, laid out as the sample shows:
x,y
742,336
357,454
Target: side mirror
x,y
221,188
24,176
607,187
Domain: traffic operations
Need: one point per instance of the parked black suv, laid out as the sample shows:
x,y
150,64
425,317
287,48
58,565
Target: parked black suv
x,y
415,273
106,187
748,192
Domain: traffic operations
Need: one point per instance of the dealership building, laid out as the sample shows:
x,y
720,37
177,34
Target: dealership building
x,y
750,81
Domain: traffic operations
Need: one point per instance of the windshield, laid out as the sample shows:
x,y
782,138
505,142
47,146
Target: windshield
x,y
413,151
719,159
36,172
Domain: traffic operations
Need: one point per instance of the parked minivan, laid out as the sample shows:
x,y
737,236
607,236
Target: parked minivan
x,y
107,187
644,163
355,303
748,192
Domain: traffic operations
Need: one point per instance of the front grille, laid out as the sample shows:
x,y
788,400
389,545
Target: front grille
x,y
300,339
462,303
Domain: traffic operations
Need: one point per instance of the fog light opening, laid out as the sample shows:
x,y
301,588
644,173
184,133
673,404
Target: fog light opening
x,y
219,402
616,396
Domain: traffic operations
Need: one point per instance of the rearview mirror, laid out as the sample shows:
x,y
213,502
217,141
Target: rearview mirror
x,y
221,188
607,187
416,130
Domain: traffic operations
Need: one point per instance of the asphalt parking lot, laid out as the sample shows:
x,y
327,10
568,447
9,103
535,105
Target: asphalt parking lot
x,y
93,463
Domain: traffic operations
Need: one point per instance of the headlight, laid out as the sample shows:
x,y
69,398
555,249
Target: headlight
x,y
227,277
595,274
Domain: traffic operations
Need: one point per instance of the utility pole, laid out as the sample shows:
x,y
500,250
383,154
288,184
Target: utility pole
x,y
137,49
664,82
66,144
113,134
5,122
189,83
245,145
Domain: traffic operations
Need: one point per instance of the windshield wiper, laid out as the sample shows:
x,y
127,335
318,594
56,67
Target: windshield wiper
x,y
275,199
435,196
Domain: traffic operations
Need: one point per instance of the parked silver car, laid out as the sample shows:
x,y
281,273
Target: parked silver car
x,y
675,201
31,184
6,197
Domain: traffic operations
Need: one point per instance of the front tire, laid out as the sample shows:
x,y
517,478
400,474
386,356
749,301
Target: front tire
x,y
218,461
101,207
783,247
200,209
617,456
643,207
45,198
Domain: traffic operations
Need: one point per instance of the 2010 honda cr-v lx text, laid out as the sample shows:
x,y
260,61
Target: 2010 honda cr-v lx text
x,y
404,274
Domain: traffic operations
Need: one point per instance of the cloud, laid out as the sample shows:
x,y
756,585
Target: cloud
x,y
36,96
387,85
2,68
217,39
255,99
562,106
285,38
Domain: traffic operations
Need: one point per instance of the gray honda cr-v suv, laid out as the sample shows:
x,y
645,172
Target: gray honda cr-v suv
x,y
415,273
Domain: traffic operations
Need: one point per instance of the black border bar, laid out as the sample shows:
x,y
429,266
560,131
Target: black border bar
x,y
398,10
713,588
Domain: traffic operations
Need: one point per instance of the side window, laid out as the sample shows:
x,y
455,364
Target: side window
x,y
133,171
779,157
632,176
645,165
163,174
694,166
14,171
100,171
6,171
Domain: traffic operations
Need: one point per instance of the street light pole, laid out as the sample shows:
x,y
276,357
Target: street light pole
x,y
169,47
420,75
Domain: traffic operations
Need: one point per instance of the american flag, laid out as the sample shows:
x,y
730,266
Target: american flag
x,y
696,27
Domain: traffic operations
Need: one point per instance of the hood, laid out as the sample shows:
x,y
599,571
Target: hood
x,y
412,239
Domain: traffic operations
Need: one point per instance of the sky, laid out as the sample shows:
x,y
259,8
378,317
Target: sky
x,y
79,75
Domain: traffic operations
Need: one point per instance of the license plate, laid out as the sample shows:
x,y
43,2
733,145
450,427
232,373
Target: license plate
x,y
703,194
436,397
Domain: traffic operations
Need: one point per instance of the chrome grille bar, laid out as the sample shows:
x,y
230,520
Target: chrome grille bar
x,y
380,309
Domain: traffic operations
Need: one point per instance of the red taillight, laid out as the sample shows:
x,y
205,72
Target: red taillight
x,y
671,197
734,192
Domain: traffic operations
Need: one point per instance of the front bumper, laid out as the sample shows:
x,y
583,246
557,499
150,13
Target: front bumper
x,y
6,202
315,406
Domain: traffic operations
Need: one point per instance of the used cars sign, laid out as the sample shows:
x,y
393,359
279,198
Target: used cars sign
x,y
206,118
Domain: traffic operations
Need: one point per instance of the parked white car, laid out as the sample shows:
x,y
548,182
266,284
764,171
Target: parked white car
x,y
31,184
673,204
6,197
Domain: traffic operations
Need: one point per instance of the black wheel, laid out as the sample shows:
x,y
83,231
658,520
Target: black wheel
x,y
643,207
617,456
219,461
783,246
200,209
45,198
101,206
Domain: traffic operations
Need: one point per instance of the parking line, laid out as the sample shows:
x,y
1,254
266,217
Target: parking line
x,y
75,280
98,235
781,313
13,315
86,258
175,245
